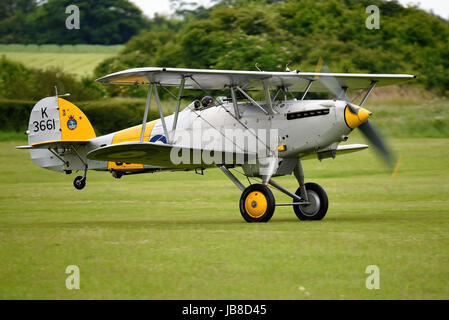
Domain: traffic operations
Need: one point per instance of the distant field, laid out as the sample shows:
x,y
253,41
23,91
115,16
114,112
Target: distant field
x,y
80,60
181,236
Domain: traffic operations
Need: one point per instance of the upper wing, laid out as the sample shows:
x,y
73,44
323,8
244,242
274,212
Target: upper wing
x,y
249,80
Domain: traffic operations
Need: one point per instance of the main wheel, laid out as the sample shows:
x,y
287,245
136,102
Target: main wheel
x,y
319,203
79,182
257,203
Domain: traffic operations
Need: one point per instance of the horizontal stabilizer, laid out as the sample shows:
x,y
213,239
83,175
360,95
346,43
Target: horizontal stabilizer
x,y
53,144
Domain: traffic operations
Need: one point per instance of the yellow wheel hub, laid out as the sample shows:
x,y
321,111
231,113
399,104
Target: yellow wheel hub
x,y
256,204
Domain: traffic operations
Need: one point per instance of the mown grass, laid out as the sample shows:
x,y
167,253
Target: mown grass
x,y
180,235
54,48
412,118
80,60
79,64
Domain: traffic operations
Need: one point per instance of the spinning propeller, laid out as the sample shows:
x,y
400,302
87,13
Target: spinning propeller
x,y
358,117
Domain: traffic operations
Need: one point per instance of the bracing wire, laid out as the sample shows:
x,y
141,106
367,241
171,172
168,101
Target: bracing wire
x,y
220,104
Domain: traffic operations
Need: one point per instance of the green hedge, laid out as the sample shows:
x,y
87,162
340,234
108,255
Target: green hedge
x,y
20,82
106,116
14,114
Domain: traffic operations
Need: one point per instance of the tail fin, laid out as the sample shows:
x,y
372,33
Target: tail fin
x,y
56,119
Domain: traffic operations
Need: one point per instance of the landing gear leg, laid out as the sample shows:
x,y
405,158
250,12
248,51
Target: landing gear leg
x,y
299,174
314,195
80,181
257,203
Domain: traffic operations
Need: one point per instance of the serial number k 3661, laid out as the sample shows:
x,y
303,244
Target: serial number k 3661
x,y
44,125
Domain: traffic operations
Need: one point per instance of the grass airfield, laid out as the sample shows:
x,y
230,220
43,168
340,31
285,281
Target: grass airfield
x,y
79,60
79,64
181,236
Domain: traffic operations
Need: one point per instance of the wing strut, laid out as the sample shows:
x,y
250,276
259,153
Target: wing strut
x,y
370,89
252,100
159,106
153,86
307,90
266,89
178,105
279,89
145,115
234,102
236,118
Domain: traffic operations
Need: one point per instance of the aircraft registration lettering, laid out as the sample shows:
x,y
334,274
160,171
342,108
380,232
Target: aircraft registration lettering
x,y
44,125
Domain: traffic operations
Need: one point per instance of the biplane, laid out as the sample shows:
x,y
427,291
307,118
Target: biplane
x,y
266,138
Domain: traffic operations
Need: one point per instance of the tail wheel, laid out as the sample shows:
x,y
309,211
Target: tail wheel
x,y
257,203
318,203
117,174
79,182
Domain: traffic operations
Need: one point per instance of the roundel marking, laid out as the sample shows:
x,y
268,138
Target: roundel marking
x,y
159,138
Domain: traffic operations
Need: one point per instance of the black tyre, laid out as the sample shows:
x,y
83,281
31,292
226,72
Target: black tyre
x,y
79,182
117,174
318,206
257,203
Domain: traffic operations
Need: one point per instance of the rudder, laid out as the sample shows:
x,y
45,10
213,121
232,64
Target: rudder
x,y
56,119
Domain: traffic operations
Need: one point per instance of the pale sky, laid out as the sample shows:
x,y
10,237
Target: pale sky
x,y
150,7
439,7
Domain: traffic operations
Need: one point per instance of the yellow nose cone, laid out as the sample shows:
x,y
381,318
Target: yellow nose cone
x,y
355,120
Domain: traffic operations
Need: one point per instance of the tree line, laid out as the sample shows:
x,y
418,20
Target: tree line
x,y
43,22
238,34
